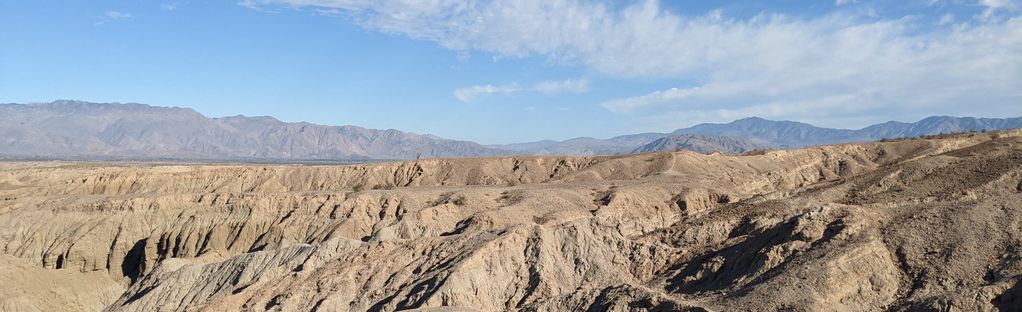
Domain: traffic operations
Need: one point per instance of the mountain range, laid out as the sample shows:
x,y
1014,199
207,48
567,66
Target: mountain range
x,y
755,133
790,134
82,130
702,143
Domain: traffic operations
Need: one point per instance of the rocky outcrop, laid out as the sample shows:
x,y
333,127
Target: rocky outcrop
x,y
915,224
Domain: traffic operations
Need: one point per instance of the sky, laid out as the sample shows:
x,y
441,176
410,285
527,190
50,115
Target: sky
x,y
516,71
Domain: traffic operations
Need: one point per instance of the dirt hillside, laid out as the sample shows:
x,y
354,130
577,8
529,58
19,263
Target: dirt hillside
x,y
929,225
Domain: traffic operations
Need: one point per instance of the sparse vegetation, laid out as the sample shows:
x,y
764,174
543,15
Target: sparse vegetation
x,y
755,152
451,198
384,186
459,200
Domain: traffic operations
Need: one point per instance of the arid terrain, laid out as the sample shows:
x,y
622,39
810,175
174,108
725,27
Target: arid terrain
x,y
929,224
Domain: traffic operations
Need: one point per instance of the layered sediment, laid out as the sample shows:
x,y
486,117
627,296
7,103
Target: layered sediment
x,y
913,224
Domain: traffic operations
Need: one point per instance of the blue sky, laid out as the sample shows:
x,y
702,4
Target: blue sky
x,y
512,71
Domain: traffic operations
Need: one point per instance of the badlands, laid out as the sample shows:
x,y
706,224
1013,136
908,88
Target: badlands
x,y
929,224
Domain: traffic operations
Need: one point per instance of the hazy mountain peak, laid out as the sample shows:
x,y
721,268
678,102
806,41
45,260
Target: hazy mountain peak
x,y
79,129
752,119
254,118
702,144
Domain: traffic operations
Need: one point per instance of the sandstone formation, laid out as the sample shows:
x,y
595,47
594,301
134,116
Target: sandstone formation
x,y
929,224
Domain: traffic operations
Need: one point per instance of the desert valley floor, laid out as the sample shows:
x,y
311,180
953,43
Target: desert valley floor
x,y
929,224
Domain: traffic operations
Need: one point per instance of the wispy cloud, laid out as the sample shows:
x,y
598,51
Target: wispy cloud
x,y
946,19
174,5
993,6
562,86
114,16
876,67
769,63
654,98
471,93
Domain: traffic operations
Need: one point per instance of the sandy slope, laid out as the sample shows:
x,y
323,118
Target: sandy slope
x,y
927,224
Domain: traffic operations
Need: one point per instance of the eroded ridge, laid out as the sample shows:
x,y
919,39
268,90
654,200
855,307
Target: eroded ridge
x,y
930,224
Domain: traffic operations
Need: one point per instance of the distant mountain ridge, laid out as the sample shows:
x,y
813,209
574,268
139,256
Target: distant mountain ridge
x,y
790,134
762,133
584,146
83,130
699,143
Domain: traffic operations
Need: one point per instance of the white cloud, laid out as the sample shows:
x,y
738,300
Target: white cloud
x,y
654,98
471,93
874,68
844,2
998,4
563,86
117,15
168,6
946,19
114,16
769,64
993,6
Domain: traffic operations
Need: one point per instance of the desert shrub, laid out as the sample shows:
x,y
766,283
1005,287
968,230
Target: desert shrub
x,y
755,152
450,198
385,186
459,200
